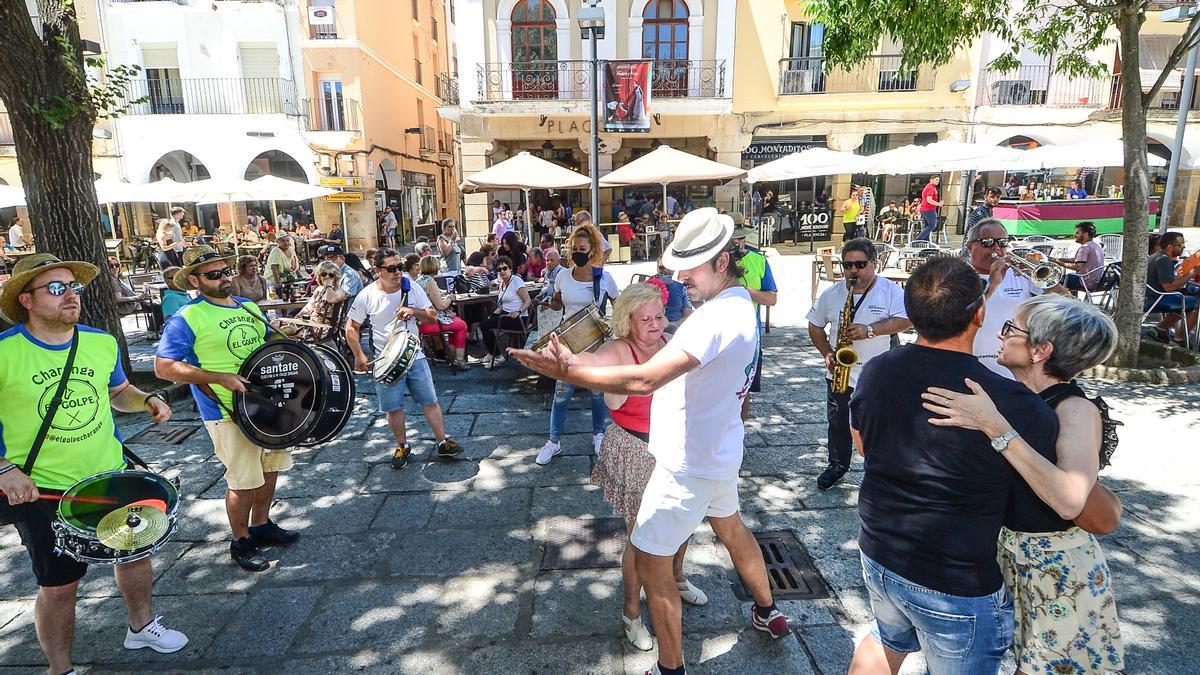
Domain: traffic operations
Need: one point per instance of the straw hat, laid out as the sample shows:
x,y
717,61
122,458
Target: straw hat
x,y
26,270
194,257
700,237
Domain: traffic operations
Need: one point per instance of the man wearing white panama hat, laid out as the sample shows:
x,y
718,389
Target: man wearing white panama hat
x,y
699,381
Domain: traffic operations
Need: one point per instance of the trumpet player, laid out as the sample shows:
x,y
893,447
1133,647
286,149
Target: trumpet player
x,y
862,314
987,244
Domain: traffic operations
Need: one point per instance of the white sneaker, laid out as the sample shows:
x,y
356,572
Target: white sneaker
x,y
597,439
548,451
690,594
157,637
493,361
636,633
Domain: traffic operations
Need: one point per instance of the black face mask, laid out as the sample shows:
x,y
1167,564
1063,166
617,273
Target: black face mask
x,y
579,258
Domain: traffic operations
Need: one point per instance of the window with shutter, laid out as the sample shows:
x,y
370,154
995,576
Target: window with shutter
x,y
260,78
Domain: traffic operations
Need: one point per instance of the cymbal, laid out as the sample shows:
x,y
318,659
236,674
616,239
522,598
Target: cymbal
x,y
304,322
132,527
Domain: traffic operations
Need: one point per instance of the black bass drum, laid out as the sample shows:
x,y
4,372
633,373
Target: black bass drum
x,y
299,394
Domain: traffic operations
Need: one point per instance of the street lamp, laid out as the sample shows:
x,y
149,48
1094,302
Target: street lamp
x,y
1179,15
591,28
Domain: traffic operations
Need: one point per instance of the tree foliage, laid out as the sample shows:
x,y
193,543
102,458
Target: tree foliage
x,y
1069,33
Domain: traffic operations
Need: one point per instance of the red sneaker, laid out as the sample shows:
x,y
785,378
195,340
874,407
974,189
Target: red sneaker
x,y
776,623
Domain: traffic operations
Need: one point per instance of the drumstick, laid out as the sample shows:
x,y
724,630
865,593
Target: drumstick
x,y
83,500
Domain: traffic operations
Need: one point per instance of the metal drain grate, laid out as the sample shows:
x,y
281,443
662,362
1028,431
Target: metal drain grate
x,y
583,543
789,569
164,434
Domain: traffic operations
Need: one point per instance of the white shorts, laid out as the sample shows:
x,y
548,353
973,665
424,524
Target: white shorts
x,y
673,505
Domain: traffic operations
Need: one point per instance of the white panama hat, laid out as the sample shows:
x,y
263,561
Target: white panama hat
x,y
700,237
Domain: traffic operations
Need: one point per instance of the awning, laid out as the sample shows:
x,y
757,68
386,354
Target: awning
x,y
1155,50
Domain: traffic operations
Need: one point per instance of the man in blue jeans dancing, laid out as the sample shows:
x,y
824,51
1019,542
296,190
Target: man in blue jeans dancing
x,y
933,498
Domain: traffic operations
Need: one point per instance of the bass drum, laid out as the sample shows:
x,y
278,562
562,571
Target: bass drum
x,y
298,395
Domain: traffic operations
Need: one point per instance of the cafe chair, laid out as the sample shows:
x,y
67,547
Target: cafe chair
x,y
825,268
1037,239
639,278
1106,288
1154,299
1112,245
511,337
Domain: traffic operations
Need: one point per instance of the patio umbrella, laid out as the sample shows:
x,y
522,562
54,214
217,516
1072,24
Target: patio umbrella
x,y
526,172
939,157
808,163
667,165
11,195
1099,153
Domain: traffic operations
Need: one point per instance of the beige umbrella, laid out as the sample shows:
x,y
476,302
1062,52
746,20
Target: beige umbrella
x,y
526,172
668,165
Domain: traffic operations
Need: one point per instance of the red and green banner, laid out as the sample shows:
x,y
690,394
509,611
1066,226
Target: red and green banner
x,y
1058,218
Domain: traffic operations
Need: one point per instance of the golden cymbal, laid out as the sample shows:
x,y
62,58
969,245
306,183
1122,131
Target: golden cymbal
x,y
132,527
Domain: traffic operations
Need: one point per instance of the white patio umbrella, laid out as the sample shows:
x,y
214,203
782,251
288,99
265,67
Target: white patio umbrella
x,y
526,172
808,163
11,195
1098,153
939,157
666,165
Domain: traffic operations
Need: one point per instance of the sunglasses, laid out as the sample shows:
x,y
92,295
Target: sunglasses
x,y
57,288
392,269
856,264
503,269
114,265
1009,328
992,242
974,305
214,275
327,275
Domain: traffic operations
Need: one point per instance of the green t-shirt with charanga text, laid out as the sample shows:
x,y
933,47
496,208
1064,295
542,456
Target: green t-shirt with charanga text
x,y
82,440
216,338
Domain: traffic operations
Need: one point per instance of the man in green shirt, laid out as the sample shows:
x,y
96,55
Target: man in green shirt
x,y
204,345
759,280
42,298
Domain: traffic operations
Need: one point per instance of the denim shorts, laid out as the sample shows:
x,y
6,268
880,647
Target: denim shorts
x,y
418,383
958,635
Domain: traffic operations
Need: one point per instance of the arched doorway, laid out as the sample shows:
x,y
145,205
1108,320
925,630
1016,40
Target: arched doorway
x,y
281,165
665,39
180,166
534,50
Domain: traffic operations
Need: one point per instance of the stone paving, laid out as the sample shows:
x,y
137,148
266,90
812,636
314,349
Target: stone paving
x,y
435,568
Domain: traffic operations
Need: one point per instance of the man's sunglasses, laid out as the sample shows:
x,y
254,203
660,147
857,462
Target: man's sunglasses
x,y
57,288
392,269
992,242
215,275
1009,328
504,268
857,264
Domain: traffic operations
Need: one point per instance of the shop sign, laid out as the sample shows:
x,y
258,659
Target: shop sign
x,y
342,181
552,125
344,197
766,151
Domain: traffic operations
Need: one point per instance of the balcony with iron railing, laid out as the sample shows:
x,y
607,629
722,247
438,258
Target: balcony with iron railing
x,y
329,113
1166,100
1037,85
322,32
211,96
571,80
880,73
429,139
447,89
6,131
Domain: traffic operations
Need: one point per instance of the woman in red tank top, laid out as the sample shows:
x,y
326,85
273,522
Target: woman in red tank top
x,y
624,466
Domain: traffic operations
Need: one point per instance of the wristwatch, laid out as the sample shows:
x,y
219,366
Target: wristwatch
x,y
1000,443
870,330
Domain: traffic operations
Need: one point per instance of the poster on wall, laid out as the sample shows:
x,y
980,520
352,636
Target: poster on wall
x,y
627,96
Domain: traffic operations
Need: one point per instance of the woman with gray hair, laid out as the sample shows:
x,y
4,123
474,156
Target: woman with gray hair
x,y
1052,564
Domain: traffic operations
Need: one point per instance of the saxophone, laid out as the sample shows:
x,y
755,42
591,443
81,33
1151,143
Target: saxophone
x,y
844,355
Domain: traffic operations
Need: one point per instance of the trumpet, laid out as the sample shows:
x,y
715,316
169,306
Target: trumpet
x,y
1043,275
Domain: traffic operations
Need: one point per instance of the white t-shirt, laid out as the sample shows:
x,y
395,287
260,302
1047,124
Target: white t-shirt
x,y
382,307
16,236
1001,307
578,294
509,299
884,301
696,419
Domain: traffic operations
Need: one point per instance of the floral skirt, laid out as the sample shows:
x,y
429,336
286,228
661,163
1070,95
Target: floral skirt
x,y
1063,600
623,470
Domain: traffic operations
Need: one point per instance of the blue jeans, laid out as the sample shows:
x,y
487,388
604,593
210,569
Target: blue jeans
x,y
562,400
417,382
930,220
958,635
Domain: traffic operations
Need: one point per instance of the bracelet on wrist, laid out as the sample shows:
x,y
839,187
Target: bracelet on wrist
x,y
157,394
6,468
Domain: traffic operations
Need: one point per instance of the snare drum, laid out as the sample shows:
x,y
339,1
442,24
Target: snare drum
x,y
75,525
583,331
397,357
299,394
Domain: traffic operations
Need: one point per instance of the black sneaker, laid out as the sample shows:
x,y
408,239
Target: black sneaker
x,y
247,556
273,535
831,476
448,448
400,456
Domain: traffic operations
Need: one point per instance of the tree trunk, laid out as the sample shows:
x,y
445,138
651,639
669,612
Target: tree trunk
x,y
1137,194
56,161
